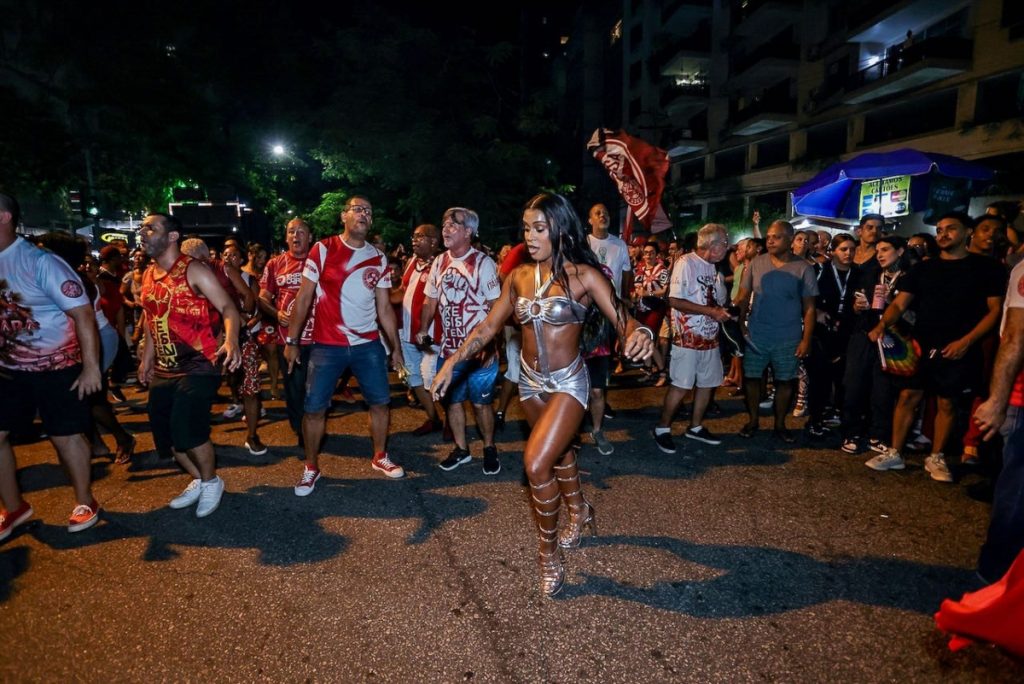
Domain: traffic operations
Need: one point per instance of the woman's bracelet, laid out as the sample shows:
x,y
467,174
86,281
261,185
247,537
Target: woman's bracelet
x,y
646,330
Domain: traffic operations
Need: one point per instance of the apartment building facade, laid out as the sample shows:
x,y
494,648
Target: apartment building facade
x,y
754,97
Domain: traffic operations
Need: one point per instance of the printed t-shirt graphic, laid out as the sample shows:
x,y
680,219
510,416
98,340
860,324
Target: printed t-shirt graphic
x,y
414,282
697,281
36,288
346,279
179,322
282,277
462,287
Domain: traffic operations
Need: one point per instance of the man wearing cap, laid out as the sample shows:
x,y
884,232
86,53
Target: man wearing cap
x,y
462,286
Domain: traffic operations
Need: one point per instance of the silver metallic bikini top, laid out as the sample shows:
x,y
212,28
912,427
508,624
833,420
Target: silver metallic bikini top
x,y
551,310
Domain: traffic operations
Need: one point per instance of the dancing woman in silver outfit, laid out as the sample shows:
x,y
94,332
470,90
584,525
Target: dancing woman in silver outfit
x,y
551,298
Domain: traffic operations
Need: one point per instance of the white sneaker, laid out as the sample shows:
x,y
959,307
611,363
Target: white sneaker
x,y
937,468
232,411
800,410
890,460
187,497
209,497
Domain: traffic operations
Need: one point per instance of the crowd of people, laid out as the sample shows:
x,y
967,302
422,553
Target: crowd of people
x,y
888,344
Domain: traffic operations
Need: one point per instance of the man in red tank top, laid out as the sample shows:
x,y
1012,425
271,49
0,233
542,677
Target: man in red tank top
x,y
181,358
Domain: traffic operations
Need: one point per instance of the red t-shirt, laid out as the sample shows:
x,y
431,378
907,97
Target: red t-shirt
x,y
281,279
346,282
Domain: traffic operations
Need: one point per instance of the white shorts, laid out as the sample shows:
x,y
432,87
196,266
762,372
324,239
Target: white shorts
x,y
700,367
513,344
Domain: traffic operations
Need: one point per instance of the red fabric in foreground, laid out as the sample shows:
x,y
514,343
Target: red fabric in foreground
x,y
994,613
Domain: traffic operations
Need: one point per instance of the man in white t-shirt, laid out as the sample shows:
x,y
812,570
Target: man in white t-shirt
x,y
347,275
49,362
613,255
463,286
696,295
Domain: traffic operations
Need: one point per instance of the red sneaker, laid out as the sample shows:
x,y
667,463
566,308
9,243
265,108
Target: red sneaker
x,y
427,427
384,464
11,519
84,517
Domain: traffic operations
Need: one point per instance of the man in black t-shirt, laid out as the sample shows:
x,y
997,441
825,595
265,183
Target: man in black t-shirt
x,y
958,299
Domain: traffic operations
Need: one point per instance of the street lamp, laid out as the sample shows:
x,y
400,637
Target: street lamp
x,y
278,150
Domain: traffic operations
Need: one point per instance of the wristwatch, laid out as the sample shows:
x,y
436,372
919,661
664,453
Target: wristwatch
x,y
291,341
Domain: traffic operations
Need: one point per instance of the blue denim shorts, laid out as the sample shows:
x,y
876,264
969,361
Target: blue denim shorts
x,y
781,355
326,364
421,365
471,381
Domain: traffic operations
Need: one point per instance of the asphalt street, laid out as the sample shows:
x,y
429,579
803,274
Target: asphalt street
x,y
750,561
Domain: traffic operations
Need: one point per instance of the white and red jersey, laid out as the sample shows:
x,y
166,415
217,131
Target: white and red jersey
x,y
36,289
463,288
697,281
346,282
282,278
414,282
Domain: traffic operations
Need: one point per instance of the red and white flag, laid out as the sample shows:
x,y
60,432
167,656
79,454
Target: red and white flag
x,y
638,170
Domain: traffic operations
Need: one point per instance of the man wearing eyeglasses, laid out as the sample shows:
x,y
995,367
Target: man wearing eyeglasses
x,y
463,285
345,275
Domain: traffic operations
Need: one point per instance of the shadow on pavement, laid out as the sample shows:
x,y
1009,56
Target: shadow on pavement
x,y
13,562
285,529
758,580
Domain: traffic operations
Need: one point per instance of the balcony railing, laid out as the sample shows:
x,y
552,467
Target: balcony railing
x,y
672,91
774,104
898,59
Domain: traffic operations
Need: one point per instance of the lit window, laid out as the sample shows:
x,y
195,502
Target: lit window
x,y
616,34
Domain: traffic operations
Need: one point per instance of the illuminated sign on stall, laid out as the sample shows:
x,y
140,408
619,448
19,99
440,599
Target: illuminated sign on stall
x,y
886,196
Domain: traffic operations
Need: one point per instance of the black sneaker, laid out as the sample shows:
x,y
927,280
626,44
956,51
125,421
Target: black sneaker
x,y
455,459
702,434
713,409
664,441
499,421
609,412
492,466
816,430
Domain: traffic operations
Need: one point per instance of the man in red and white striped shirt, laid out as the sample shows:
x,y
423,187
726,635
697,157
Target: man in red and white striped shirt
x,y
345,275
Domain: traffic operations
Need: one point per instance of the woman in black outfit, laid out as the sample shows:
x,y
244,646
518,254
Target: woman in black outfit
x,y
826,365
870,392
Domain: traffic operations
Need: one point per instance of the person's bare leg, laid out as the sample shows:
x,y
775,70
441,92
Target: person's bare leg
x,y
457,423
784,391
380,418
597,408
10,495
74,453
423,396
313,425
251,407
186,464
485,422
903,417
205,459
673,398
945,416
701,399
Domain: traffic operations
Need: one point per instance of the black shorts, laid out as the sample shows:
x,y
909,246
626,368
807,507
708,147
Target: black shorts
x,y
22,393
948,378
179,411
598,367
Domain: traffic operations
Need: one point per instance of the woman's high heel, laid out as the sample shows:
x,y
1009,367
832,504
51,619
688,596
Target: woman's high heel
x,y
552,572
581,513
572,534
